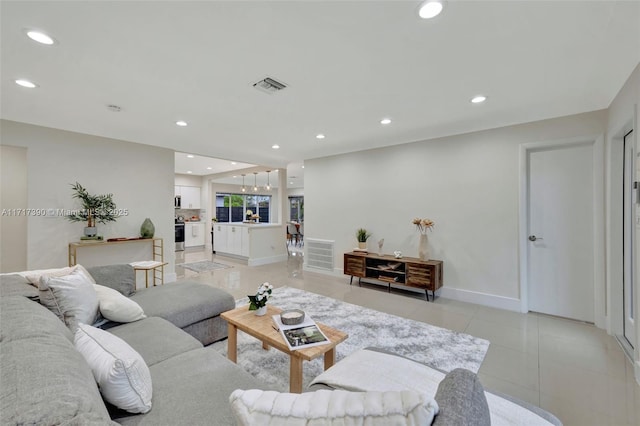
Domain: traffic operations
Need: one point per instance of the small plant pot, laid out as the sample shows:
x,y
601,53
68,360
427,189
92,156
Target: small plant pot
x,y
260,311
90,231
362,245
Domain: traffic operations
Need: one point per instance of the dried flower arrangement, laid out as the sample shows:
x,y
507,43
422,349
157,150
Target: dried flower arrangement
x,y
423,225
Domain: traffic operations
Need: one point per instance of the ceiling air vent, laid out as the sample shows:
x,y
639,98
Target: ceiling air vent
x,y
269,85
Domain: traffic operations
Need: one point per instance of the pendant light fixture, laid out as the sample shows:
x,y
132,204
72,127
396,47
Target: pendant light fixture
x,y
268,187
255,186
243,188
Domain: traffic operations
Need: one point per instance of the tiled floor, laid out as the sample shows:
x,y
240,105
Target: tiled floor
x,y
572,369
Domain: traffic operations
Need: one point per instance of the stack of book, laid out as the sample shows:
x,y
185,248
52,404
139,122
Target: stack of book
x,y
301,336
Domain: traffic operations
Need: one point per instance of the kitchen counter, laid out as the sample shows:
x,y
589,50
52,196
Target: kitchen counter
x,y
257,243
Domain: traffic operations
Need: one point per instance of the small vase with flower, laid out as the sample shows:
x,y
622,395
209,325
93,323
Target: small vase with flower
x,y
423,225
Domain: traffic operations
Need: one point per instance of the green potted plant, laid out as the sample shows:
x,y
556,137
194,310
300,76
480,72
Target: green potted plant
x,y
362,235
95,209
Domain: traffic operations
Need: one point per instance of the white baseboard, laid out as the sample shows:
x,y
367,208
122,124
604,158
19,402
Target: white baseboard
x,y
267,260
491,300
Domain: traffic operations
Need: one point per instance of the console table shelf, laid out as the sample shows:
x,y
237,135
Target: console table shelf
x,y
406,271
156,267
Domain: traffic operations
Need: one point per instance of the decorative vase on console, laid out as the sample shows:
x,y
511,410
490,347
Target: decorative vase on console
x,y
147,230
423,247
423,225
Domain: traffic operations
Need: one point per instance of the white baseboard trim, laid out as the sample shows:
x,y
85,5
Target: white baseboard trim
x,y
267,260
491,300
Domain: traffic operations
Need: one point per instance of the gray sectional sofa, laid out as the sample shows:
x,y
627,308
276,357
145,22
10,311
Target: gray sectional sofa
x,y
45,380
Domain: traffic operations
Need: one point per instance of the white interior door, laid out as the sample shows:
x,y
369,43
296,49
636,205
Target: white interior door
x,y
627,237
560,231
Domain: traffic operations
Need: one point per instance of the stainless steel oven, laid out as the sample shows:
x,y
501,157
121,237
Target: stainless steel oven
x,y
179,236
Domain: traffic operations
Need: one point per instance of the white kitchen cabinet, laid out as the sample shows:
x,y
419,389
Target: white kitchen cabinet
x,y
220,238
244,241
190,196
193,234
231,239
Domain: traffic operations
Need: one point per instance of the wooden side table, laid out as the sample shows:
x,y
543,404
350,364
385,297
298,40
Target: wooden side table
x,y
146,266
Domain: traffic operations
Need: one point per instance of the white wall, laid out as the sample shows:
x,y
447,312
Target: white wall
x,y
624,114
188,180
13,195
141,178
468,184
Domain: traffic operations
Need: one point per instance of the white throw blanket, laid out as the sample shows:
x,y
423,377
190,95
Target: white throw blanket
x,y
366,370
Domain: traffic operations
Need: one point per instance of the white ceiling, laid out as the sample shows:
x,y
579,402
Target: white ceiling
x,y
347,63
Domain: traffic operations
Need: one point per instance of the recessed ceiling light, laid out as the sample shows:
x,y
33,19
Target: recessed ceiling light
x,y
233,163
209,168
235,177
290,183
189,156
26,83
478,99
40,37
430,9
181,123
385,121
275,146
303,166
320,136
189,171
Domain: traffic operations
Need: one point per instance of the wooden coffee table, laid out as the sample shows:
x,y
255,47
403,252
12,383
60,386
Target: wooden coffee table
x,y
262,328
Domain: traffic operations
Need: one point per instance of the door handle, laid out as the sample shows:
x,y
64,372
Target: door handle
x,y
534,238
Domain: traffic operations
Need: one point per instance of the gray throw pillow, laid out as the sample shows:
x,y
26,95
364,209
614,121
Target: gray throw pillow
x,y
462,401
120,277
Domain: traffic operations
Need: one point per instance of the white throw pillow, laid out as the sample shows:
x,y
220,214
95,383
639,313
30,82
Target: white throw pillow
x,y
338,407
121,373
34,276
114,306
71,297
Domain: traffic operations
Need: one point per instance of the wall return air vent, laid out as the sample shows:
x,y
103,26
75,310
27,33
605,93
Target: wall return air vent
x,y
269,85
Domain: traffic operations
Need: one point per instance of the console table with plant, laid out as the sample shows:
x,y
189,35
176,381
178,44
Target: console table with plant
x,y
405,271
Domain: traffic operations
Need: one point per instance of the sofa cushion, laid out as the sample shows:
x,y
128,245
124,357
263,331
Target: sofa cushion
x,y
17,285
119,277
462,400
24,319
155,339
44,379
114,306
184,303
121,373
340,407
192,389
71,297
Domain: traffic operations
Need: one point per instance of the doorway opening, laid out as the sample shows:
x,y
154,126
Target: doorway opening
x,y
628,223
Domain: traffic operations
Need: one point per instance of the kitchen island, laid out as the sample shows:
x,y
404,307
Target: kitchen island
x,y
257,243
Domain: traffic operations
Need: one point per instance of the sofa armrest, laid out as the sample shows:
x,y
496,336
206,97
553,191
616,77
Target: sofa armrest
x,y
461,399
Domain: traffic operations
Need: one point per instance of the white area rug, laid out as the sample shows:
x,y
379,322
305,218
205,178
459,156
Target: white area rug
x,y
437,347
204,266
